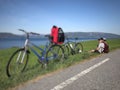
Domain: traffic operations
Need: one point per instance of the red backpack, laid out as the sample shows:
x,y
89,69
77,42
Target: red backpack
x,y
57,35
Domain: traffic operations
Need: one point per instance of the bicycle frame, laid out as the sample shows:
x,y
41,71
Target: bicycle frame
x,y
40,57
29,45
70,45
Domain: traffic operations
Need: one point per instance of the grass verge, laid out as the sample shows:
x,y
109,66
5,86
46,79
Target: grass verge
x,y
34,68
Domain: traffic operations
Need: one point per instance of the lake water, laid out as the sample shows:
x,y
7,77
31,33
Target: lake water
x,y
19,42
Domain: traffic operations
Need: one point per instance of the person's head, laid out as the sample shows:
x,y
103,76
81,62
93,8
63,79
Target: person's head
x,y
101,40
104,39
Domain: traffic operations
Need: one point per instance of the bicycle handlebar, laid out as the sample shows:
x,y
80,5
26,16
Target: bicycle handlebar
x,y
28,32
34,33
22,30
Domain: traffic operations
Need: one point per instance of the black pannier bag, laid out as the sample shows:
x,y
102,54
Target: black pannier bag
x,y
61,36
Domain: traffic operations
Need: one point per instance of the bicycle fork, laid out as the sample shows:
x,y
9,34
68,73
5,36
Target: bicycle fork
x,y
24,53
19,57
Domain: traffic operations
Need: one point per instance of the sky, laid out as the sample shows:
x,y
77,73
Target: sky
x,y
71,15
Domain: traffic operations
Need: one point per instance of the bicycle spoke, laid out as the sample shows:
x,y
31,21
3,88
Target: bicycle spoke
x,y
17,62
78,48
55,53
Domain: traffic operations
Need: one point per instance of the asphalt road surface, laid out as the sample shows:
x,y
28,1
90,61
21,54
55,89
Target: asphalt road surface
x,y
100,73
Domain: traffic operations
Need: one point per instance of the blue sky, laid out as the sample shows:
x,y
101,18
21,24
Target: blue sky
x,y
72,15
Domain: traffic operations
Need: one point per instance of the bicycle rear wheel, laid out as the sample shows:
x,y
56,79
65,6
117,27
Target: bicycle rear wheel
x,y
55,53
17,62
78,48
66,50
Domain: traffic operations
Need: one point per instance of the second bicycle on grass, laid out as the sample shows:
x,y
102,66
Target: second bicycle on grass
x,y
72,47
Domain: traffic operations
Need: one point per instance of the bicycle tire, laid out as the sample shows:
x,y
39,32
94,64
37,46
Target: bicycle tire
x,y
54,53
66,50
11,69
78,48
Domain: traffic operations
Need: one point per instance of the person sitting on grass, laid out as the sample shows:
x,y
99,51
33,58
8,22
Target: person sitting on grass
x,y
100,47
106,48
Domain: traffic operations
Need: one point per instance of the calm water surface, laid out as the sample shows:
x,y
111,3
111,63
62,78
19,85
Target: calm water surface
x,y
19,42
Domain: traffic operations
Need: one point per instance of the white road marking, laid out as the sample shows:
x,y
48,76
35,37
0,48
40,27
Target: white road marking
x,y
72,79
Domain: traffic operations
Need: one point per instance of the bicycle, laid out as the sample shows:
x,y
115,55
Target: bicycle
x,y
19,59
72,47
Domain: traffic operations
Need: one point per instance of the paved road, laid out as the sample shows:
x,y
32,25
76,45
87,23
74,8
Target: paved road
x,y
101,73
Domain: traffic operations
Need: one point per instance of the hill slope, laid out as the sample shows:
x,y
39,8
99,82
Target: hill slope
x,y
90,35
68,34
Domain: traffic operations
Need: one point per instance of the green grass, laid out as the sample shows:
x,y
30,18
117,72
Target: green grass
x,y
34,68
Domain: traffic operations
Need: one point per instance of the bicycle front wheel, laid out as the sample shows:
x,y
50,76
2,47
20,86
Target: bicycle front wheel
x,y
55,53
78,48
17,62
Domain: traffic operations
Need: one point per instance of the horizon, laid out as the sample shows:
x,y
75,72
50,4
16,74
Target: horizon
x,y
71,15
64,32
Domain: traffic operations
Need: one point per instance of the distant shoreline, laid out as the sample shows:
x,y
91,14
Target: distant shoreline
x,y
19,42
